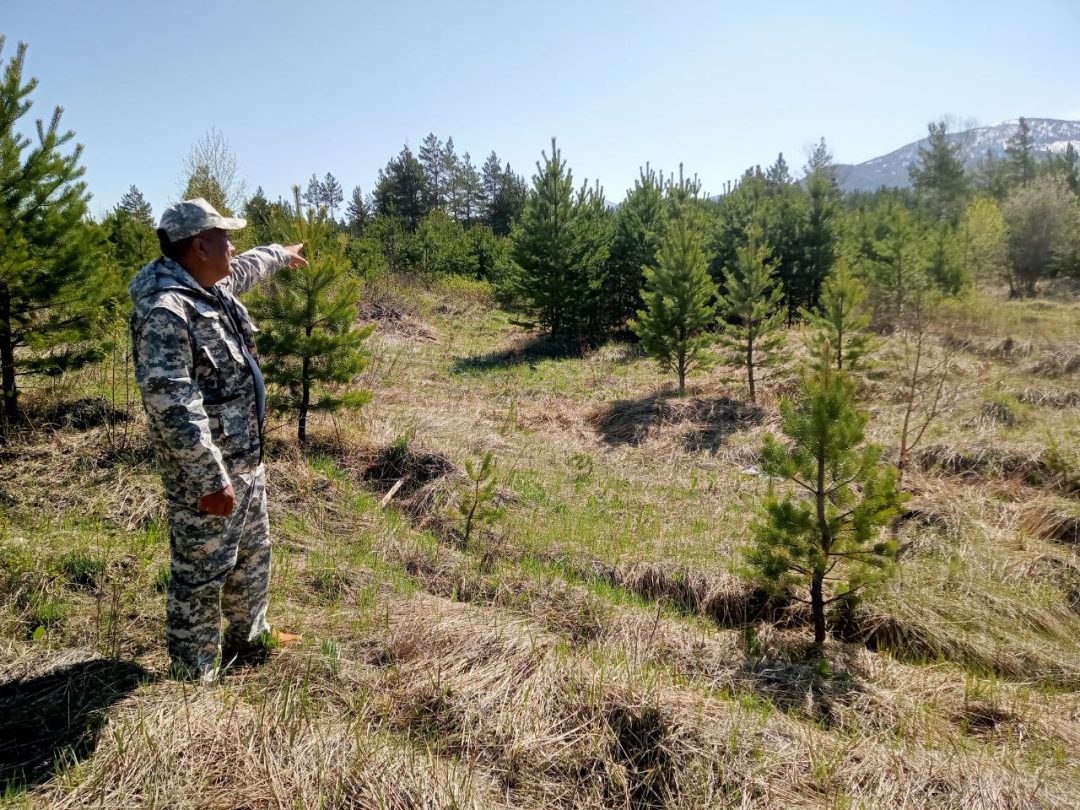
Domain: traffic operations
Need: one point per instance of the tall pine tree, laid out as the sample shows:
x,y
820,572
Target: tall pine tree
x,y
680,306
639,228
938,175
401,190
738,210
53,282
1068,165
451,172
314,196
470,192
752,330
782,216
132,242
778,175
595,229
357,212
135,205
490,183
557,254
820,163
259,213
990,176
820,230
779,208
332,194
508,203
683,196
431,158
129,230
1020,154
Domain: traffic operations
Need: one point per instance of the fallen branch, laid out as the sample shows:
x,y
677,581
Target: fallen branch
x,y
392,492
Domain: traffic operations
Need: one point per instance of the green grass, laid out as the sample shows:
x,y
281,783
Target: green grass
x,y
81,568
500,674
328,467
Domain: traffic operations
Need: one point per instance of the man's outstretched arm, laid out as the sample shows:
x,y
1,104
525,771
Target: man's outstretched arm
x,y
258,264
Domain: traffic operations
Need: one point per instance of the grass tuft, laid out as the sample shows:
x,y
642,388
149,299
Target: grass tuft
x,y
1003,409
82,568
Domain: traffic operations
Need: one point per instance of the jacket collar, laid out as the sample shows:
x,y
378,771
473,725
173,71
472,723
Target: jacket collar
x,y
163,275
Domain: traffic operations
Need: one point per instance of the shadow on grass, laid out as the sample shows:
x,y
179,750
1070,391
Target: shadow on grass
x,y
782,667
629,421
127,452
53,720
531,350
79,414
719,418
805,684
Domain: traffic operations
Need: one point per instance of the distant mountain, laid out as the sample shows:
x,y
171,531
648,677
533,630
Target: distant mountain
x,y
1049,134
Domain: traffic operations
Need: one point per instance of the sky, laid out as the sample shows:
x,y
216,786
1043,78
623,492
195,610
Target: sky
x,y
335,86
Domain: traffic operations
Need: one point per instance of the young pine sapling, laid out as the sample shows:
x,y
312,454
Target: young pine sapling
x,y
825,537
477,503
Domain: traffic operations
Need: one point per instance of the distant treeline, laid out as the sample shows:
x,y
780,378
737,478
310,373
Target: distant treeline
x,y
1010,221
556,252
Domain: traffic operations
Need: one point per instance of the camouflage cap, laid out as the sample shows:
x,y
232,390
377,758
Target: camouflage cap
x,y
190,217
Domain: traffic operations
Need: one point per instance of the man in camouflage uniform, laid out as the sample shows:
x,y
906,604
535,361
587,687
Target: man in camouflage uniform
x,y
204,396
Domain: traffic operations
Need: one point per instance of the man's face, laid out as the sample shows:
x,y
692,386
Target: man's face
x,y
214,251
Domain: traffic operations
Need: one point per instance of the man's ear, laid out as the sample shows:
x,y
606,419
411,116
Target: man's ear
x,y
198,247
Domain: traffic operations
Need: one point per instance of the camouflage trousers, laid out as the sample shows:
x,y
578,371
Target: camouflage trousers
x,y
220,569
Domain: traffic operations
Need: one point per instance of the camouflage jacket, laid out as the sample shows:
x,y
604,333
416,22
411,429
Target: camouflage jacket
x,y
197,386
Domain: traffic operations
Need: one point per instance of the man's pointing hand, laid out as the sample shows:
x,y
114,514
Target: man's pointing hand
x,y
295,259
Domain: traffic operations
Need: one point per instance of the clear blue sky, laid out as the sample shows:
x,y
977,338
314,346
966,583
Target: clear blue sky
x,y
334,85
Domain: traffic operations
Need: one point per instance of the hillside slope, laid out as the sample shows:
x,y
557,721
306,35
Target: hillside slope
x,y
595,645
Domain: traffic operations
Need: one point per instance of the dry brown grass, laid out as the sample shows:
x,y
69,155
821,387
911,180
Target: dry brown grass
x,y
1043,468
1051,521
398,712
1043,398
594,649
998,348
1057,364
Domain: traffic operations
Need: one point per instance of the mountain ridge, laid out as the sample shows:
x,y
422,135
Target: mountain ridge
x,y
1050,135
